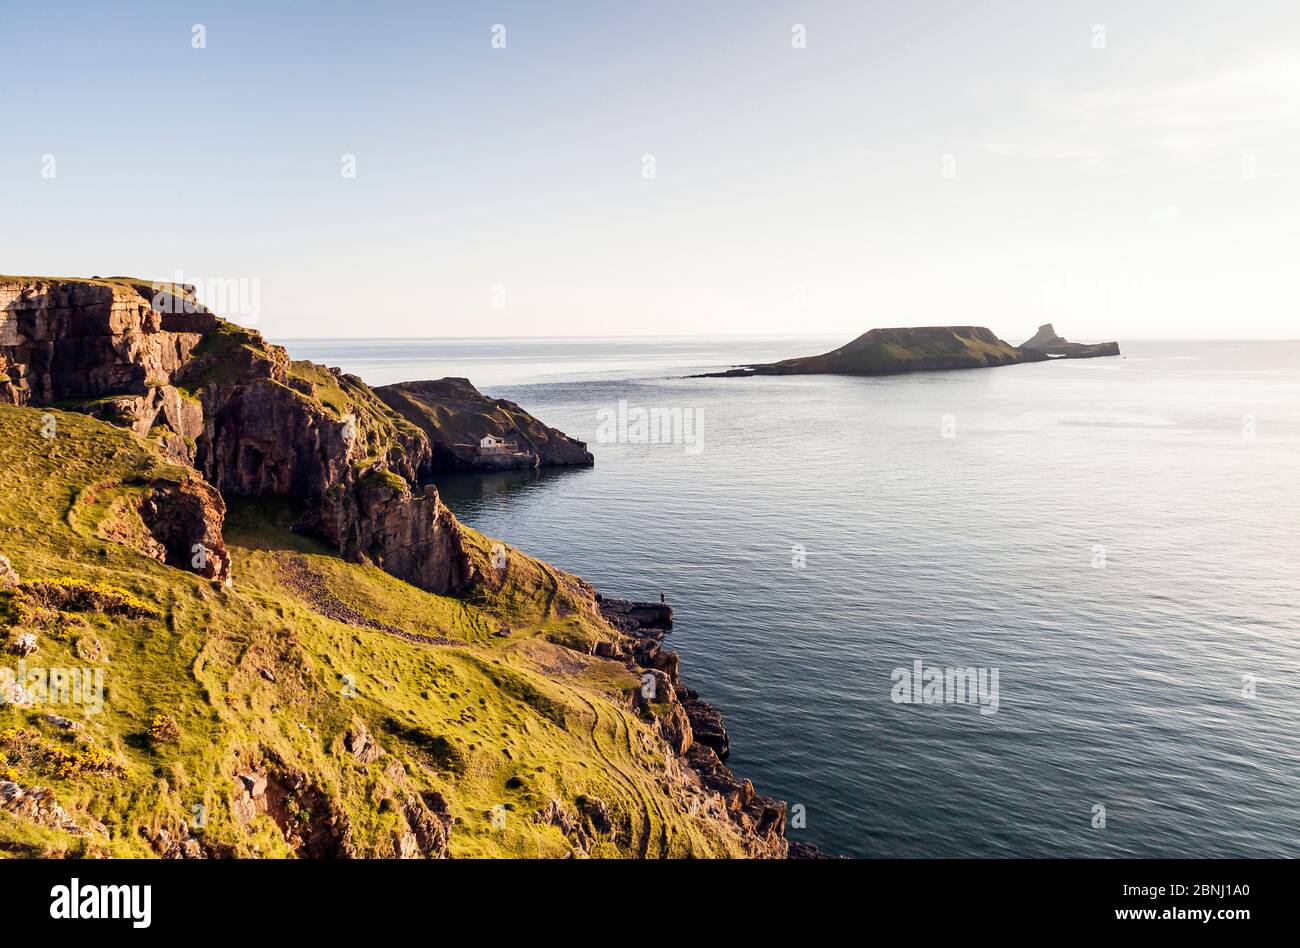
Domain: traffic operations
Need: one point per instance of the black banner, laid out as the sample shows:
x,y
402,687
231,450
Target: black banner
x,y
141,898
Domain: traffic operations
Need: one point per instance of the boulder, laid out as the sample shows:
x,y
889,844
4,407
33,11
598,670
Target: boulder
x,y
707,726
675,728
22,643
360,744
254,783
596,813
8,576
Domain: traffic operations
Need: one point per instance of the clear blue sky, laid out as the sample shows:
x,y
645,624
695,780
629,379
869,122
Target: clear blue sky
x,y
919,162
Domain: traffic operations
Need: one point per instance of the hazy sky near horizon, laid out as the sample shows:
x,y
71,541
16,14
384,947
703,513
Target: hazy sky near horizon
x,y
640,168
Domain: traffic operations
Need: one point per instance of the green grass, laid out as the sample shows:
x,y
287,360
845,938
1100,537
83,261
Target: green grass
x,y
256,677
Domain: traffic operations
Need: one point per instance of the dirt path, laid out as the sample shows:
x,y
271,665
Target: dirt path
x,y
297,577
629,784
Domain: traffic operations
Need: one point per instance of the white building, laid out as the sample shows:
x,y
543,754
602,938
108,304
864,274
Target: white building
x,y
491,444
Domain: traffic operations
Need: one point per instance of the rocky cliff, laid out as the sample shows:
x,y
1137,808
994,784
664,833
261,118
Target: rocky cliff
x,y
221,398
548,720
320,438
455,417
316,707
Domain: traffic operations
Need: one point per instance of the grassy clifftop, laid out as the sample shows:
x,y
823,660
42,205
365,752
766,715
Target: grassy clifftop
x,y
370,709
882,351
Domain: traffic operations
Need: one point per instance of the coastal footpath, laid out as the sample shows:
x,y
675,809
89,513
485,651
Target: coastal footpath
x,y
239,620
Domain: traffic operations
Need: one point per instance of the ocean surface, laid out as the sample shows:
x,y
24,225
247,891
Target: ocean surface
x,y
1116,538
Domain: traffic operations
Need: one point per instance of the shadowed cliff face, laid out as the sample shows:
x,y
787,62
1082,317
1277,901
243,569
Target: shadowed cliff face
x,y
70,340
322,439
252,421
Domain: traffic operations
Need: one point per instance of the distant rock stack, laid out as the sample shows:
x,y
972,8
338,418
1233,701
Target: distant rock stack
x,y
1046,337
1048,342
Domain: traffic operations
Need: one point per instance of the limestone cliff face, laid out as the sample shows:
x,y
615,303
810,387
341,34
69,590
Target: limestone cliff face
x,y
101,347
70,340
270,430
221,398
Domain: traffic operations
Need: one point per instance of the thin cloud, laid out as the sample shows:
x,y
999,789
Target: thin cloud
x,y
1187,123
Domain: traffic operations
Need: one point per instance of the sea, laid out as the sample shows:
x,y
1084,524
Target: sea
x,y
1104,550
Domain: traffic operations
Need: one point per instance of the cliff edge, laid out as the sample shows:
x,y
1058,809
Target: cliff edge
x,y
330,666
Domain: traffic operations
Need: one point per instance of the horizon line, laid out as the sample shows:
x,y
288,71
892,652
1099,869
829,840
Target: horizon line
x,y
1131,337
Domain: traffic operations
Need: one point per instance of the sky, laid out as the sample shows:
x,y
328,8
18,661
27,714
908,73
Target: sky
x,y
736,167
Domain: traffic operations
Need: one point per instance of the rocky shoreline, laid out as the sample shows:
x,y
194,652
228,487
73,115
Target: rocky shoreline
x,y
692,726
234,416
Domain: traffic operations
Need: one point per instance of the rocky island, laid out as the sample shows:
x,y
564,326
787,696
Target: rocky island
x,y
916,349
245,624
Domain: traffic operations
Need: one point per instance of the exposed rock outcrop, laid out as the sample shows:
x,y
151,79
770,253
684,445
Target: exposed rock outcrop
x,y
8,576
361,745
629,616
84,339
185,519
692,727
250,420
429,826
21,644
455,417
38,805
1048,342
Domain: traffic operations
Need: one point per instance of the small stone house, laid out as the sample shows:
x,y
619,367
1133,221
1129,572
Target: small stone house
x,y
491,444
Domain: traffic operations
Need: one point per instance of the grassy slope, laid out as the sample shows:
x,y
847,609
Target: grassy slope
x,y
893,350
508,721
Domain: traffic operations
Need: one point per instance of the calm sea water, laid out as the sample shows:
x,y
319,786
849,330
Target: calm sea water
x,y
1120,686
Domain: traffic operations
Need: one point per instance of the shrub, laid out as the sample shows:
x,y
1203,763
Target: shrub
x,y
74,763
79,595
24,747
55,623
163,729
